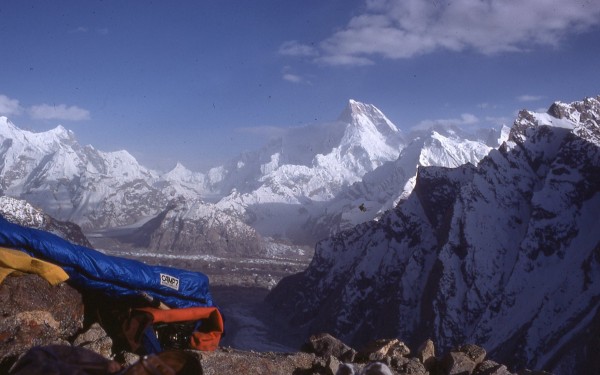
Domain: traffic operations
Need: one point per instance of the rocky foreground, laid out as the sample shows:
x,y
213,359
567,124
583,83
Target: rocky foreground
x,y
33,313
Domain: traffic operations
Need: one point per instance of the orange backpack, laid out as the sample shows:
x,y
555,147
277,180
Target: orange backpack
x,y
197,328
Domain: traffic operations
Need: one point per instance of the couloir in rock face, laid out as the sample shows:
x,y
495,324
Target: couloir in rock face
x,y
505,254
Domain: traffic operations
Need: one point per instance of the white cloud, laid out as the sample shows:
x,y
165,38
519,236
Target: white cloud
x,y
465,119
529,98
9,106
58,112
344,60
80,29
398,29
289,75
294,48
292,78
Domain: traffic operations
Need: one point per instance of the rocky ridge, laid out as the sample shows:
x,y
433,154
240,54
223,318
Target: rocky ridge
x,y
504,254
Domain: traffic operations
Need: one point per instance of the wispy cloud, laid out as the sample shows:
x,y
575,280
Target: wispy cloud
x,y
9,107
400,29
294,48
465,119
84,29
529,98
292,78
80,29
59,112
289,75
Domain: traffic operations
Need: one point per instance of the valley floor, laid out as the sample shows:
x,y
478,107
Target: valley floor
x,y
251,324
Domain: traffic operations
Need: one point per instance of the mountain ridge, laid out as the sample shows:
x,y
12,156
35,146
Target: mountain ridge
x,y
279,189
504,254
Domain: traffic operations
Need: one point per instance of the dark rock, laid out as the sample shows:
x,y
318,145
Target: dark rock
x,y
128,358
458,363
96,340
475,353
489,367
64,360
411,366
426,354
378,350
346,369
237,362
32,313
332,365
326,365
324,345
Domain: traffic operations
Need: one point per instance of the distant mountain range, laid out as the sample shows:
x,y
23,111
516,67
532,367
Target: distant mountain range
x,y
504,254
491,238
302,186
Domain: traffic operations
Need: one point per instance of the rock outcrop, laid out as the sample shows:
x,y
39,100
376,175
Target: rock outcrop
x,y
32,312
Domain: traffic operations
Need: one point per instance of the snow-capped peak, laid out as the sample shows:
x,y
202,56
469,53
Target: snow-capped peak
x,y
179,172
575,117
361,114
7,127
4,121
61,132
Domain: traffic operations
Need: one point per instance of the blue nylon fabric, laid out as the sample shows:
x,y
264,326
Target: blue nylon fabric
x,y
113,276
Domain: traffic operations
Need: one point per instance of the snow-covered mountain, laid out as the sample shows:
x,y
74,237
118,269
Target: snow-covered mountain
x,y
505,254
20,212
381,189
196,227
312,180
317,159
301,183
79,184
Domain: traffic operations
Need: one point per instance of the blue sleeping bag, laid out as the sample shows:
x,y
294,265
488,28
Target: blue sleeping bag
x,y
115,277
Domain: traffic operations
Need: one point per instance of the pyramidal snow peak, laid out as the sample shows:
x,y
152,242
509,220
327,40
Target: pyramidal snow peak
x,y
297,179
504,254
369,131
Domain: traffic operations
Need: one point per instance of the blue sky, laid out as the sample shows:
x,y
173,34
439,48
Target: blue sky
x,y
201,81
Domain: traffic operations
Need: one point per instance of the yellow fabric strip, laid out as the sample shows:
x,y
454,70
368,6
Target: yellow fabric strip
x,y
14,260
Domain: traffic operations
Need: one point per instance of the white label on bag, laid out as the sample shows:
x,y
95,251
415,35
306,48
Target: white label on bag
x,y
169,281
